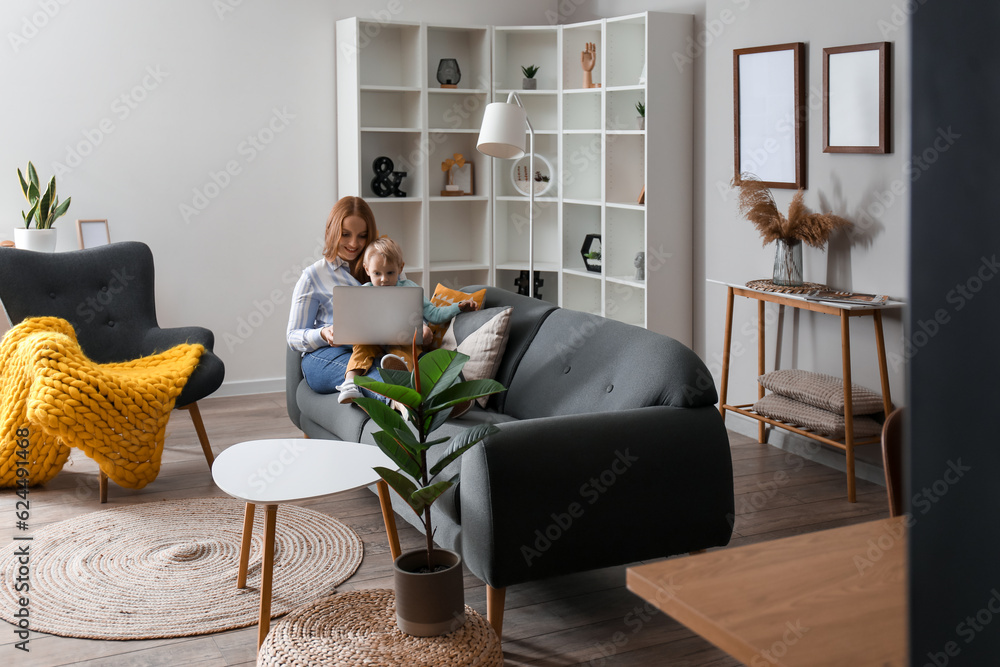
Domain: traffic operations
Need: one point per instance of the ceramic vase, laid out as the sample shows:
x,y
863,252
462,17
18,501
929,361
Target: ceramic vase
x,y
429,604
529,84
787,262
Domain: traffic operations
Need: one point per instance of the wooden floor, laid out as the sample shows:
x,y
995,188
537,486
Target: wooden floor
x,y
582,619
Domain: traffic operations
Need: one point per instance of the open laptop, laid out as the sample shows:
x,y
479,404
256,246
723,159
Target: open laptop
x,y
377,315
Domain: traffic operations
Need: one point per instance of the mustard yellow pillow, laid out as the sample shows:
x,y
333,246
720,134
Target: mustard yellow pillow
x,y
444,296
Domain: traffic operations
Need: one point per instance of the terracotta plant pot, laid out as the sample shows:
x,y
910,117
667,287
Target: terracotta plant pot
x,y
429,603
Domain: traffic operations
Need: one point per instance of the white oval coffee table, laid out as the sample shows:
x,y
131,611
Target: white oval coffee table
x,y
271,472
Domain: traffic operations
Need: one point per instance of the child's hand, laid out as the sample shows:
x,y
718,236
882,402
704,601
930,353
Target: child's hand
x,y
428,334
467,305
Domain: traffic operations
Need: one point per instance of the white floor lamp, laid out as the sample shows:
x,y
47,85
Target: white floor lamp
x,y
502,136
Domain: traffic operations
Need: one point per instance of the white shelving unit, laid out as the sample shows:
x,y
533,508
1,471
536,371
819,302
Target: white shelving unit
x,y
390,104
597,158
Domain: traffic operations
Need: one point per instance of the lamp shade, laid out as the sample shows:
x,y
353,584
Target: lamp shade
x,y
504,129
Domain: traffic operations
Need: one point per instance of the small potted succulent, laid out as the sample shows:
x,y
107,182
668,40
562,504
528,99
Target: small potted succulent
x,y
529,82
44,209
641,118
428,582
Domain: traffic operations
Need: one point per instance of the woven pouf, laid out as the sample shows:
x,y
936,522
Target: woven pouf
x,y
359,628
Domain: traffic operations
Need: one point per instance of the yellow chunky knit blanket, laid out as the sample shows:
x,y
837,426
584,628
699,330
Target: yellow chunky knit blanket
x,y
52,397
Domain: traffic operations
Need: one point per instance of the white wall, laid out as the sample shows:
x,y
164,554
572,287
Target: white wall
x,y
862,188
147,104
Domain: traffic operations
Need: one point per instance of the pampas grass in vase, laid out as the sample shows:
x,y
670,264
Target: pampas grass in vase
x,y
801,225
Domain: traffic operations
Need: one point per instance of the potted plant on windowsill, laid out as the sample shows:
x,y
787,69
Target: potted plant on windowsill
x,y
43,212
428,582
529,82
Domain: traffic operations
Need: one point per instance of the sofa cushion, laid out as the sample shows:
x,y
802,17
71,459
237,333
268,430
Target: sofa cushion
x,y
568,369
343,420
482,335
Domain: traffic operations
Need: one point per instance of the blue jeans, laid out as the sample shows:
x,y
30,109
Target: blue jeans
x,y
324,370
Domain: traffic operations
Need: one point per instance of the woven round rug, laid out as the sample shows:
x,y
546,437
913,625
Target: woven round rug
x,y
168,569
359,628
767,285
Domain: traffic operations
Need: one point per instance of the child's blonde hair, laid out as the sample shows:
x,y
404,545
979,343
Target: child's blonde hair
x,y
386,247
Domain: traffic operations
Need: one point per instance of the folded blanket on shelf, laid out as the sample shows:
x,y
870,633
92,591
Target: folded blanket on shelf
x,y
815,419
54,397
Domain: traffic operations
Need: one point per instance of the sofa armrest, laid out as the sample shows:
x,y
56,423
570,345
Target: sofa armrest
x,y
293,377
564,494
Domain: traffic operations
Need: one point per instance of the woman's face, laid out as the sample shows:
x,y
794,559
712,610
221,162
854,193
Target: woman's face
x,y
353,238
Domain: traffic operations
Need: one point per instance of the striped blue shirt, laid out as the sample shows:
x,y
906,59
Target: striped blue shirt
x,y
311,310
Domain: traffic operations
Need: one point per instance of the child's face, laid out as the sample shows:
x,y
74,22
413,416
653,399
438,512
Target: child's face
x,y
383,273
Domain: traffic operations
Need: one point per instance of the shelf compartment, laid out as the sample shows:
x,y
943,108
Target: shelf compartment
x,y
625,303
441,146
459,232
582,174
462,111
622,114
541,107
549,291
516,47
626,168
389,54
401,220
582,293
626,50
582,112
575,39
403,148
511,233
578,221
469,46
391,110
626,236
546,146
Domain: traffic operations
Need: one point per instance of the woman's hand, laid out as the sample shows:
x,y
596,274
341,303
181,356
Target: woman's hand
x,y
327,334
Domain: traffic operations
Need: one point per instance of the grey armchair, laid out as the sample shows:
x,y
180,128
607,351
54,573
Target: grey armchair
x,y
107,294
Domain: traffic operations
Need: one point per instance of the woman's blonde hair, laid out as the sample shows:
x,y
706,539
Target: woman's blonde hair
x,y
343,209
387,248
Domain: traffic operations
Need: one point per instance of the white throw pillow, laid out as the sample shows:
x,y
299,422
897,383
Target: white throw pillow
x,y
485,345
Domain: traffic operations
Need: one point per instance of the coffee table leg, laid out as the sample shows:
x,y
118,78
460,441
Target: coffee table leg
x,y
389,518
241,578
264,624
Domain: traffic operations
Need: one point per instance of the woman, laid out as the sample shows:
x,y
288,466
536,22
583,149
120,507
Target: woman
x,y
349,228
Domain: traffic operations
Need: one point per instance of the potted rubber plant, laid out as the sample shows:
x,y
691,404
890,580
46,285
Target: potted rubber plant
x,y
44,209
428,582
529,82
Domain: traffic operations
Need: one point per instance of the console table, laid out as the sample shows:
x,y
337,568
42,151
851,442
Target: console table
x,y
845,311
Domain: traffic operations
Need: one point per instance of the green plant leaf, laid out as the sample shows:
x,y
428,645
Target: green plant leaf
x,y
464,391
24,184
401,378
461,442
33,176
60,209
435,420
33,193
405,395
403,458
432,492
31,213
450,373
44,207
386,418
432,367
403,486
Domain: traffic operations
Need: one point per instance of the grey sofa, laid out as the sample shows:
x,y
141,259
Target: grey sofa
x,y
610,450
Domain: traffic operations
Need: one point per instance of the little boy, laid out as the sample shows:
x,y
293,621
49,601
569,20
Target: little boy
x,y
383,262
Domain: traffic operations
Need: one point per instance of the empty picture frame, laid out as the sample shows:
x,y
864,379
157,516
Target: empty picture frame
x,y
769,100
92,233
857,99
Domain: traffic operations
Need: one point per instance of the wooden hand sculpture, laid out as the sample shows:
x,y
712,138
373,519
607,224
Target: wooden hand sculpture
x,y
588,58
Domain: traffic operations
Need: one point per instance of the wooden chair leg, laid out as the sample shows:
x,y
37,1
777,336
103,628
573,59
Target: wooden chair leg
x,y
494,608
199,426
102,486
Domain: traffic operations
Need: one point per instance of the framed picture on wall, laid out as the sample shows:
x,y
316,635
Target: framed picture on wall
x,y
92,233
857,99
769,101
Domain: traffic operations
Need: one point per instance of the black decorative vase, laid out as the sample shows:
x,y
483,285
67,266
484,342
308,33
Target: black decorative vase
x,y
448,74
